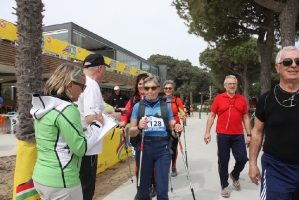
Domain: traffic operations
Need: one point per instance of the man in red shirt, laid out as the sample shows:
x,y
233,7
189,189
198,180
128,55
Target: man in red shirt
x,y
231,109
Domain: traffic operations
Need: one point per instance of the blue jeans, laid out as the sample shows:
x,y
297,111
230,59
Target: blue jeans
x,y
237,144
155,155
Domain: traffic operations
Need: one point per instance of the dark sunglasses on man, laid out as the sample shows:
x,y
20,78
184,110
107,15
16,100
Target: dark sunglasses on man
x,y
79,84
289,61
154,88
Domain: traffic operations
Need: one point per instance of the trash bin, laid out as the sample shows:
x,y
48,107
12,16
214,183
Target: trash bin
x,y
199,113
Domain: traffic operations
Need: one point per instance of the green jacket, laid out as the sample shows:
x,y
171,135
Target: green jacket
x,y
60,141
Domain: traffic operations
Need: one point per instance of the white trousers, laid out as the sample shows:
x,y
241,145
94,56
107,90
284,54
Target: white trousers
x,y
51,193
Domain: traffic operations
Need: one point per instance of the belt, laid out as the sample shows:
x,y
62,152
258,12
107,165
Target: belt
x,y
155,138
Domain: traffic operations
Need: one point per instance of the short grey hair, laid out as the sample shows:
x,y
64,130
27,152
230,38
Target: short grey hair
x,y
230,76
149,79
287,48
169,82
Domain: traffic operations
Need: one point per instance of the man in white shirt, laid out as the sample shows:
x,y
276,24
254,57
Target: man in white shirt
x,y
89,102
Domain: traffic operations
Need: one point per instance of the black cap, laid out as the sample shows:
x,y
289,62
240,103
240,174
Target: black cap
x,y
93,60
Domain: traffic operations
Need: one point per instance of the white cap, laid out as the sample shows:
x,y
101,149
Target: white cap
x,y
116,88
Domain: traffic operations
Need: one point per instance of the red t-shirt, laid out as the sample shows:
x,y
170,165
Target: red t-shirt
x,y
230,111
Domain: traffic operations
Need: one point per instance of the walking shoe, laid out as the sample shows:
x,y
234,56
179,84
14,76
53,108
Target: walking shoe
x,y
174,173
236,183
153,192
225,192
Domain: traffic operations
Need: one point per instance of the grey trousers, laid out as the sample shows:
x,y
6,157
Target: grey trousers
x,y
51,193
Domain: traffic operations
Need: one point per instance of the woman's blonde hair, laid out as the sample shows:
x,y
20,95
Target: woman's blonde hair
x,y
62,76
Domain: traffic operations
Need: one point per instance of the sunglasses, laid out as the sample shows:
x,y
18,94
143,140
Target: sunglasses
x,y
154,88
167,88
76,74
289,61
79,84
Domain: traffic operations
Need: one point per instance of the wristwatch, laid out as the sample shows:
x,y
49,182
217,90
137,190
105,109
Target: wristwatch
x,y
249,135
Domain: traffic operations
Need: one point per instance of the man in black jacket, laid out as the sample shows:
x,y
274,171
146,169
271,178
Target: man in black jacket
x,y
118,100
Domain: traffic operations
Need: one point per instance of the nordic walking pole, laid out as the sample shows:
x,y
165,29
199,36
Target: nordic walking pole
x,y
141,153
185,143
128,158
186,168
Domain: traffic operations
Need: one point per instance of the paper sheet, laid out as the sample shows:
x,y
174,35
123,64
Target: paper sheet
x,y
109,124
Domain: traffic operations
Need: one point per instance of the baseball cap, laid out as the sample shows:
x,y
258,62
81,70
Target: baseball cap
x,y
116,88
93,60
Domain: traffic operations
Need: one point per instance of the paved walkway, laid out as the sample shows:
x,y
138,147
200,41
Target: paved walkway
x,y
203,168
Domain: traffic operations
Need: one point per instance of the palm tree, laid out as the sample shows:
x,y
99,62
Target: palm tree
x,y
28,62
29,80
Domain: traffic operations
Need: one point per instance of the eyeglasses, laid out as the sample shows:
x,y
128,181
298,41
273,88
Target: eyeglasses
x,y
79,84
231,83
289,61
154,88
167,88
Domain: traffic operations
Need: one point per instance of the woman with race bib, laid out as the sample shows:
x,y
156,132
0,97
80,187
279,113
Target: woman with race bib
x,y
153,117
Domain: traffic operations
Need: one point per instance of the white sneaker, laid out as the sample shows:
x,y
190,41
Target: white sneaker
x,y
236,183
225,192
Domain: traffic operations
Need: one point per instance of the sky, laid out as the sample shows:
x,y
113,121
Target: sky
x,y
144,27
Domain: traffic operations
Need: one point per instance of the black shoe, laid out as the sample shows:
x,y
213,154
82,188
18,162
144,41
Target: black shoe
x,y
174,172
153,192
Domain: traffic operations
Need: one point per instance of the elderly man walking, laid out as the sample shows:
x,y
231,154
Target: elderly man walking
x,y
231,109
277,122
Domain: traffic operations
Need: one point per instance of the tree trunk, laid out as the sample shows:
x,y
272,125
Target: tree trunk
x,y
182,96
28,62
265,47
245,85
266,57
288,19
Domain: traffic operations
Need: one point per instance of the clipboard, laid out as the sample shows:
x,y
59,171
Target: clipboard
x,y
109,124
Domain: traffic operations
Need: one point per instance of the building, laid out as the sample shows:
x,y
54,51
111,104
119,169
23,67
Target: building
x,y
75,39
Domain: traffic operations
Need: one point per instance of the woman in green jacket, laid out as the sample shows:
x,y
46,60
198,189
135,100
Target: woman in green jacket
x,y
60,139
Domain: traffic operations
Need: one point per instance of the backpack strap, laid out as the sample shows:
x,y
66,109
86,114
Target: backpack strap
x,y
176,102
141,111
164,113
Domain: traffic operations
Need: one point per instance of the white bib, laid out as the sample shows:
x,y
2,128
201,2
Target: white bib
x,y
155,124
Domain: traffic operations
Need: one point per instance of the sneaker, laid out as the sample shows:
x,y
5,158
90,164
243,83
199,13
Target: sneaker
x,y
225,192
236,183
153,192
174,173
